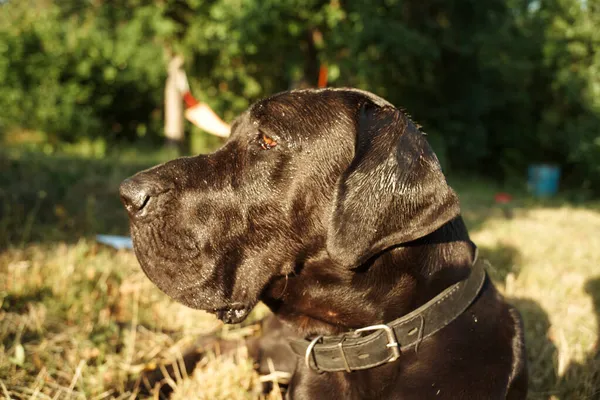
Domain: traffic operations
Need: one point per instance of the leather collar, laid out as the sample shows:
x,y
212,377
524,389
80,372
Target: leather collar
x,y
352,351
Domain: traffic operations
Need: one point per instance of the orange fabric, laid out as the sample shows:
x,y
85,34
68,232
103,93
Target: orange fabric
x,y
189,100
322,76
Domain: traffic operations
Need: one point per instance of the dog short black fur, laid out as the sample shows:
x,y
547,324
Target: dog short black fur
x,y
330,207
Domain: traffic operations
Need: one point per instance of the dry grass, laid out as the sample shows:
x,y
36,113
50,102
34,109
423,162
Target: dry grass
x,y
87,320
79,321
547,261
224,378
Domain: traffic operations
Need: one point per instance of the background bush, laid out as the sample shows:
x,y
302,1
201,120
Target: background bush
x,y
497,84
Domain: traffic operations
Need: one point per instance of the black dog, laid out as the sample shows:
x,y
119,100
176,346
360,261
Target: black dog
x,y
330,207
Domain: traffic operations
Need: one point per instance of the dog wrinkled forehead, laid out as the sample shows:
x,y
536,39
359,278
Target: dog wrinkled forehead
x,y
309,108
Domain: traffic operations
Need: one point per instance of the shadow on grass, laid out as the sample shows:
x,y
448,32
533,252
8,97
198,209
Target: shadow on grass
x,y
504,260
584,378
20,303
45,199
542,353
580,379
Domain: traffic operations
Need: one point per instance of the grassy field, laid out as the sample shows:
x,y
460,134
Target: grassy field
x,y
79,320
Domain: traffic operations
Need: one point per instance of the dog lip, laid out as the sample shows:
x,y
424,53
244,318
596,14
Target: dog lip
x,y
233,314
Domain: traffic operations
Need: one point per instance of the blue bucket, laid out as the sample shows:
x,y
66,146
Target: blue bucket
x,y
543,179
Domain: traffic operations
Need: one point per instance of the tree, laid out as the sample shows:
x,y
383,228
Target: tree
x,y
497,84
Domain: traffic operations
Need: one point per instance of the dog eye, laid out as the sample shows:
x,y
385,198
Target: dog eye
x,y
266,142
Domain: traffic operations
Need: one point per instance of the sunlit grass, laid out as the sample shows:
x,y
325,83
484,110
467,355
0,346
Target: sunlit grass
x,y
81,305
549,259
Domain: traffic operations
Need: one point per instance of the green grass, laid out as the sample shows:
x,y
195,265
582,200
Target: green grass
x,y
79,320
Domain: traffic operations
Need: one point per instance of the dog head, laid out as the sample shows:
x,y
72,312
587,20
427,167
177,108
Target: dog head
x,y
335,172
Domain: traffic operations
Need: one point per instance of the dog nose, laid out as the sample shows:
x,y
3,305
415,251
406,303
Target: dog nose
x,y
135,195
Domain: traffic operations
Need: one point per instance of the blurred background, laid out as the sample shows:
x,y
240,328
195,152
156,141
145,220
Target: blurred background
x,y
507,90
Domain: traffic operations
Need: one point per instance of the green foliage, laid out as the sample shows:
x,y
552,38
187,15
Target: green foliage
x,y
72,75
497,84
569,122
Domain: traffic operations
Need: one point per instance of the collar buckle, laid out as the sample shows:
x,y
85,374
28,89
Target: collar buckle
x,y
309,353
392,343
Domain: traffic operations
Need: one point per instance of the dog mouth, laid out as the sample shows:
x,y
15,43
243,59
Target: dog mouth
x,y
229,312
194,294
234,314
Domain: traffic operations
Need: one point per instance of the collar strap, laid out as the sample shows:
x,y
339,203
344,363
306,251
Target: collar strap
x,y
352,351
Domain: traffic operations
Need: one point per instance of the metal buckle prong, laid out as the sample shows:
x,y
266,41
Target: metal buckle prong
x,y
309,351
392,343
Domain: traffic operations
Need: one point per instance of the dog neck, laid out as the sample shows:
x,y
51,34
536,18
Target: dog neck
x,y
322,298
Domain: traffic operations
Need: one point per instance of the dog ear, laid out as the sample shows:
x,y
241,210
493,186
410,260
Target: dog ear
x,y
393,192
